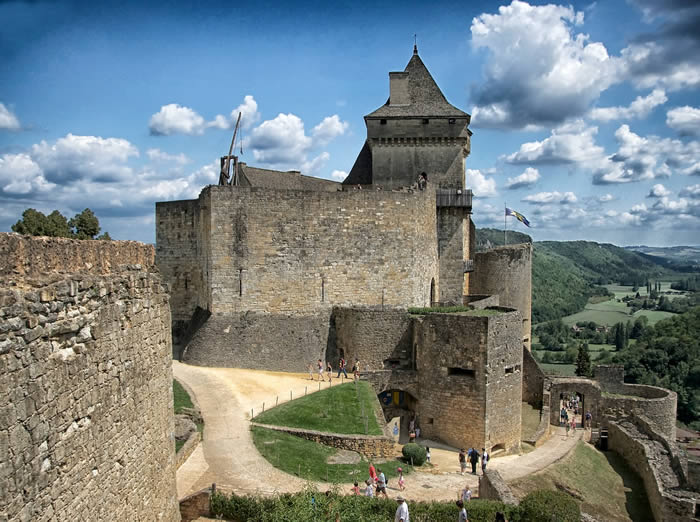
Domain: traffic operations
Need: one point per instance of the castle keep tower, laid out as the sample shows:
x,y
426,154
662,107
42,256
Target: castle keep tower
x,y
418,132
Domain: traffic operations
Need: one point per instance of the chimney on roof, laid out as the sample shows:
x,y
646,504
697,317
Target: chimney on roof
x,y
398,88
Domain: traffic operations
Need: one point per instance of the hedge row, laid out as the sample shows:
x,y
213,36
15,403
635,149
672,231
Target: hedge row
x,y
540,506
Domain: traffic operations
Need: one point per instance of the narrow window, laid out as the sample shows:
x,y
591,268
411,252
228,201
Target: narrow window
x,y
240,282
510,369
462,372
323,290
382,122
425,121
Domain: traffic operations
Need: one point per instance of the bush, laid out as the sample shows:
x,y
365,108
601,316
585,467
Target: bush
x,y
545,506
413,453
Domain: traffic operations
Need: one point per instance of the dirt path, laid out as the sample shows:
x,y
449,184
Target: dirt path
x,y
228,457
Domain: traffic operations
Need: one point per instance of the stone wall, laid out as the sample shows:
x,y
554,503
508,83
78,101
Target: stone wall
x,y
465,395
279,251
277,342
533,380
650,459
507,272
493,487
179,257
656,404
370,446
380,339
453,249
84,351
196,505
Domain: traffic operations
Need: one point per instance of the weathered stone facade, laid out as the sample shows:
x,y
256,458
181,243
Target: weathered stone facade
x,y
462,371
84,352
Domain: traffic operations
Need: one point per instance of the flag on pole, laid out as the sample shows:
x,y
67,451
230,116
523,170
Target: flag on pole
x,y
518,216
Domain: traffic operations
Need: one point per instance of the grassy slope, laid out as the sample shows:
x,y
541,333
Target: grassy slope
x,y
609,489
181,399
335,410
309,460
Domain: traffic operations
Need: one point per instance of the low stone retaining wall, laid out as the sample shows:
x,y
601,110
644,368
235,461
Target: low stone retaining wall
x,y
542,432
493,487
369,446
187,448
196,505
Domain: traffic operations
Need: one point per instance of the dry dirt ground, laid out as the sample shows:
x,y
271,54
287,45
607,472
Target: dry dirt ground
x,y
228,457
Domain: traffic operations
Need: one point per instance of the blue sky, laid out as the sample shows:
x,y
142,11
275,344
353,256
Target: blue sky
x,y
586,116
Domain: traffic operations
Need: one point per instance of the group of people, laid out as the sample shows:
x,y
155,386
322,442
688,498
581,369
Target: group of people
x,y
320,368
473,457
570,408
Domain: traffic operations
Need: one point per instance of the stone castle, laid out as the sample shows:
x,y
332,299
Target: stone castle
x,y
284,269
274,273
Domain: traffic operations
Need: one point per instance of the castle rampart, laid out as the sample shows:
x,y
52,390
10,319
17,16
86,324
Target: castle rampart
x,y
507,272
84,351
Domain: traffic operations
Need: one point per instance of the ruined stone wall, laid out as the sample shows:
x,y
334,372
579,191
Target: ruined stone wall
x,y
277,342
84,352
506,271
504,363
379,339
656,404
493,487
179,256
650,459
300,252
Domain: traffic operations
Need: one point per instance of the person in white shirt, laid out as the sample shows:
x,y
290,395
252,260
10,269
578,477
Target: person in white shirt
x,y
401,511
369,490
462,512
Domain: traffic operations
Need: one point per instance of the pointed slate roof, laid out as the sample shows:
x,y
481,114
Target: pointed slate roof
x,y
426,98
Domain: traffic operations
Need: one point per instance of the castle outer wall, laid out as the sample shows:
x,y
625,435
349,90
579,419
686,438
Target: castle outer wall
x,y
242,252
84,351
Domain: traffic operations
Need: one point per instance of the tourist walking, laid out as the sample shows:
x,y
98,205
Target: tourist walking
x,y
355,489
427,454
589,418
319,365
372,473
356,370
484,459
401,511
402,482
329,369
462,512
369,490
341,368
462,461
573,423
381,484
474,458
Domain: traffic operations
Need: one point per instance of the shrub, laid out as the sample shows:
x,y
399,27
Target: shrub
x,y
545,506
413,453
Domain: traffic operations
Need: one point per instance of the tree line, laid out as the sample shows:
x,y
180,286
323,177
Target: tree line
x,y
84,225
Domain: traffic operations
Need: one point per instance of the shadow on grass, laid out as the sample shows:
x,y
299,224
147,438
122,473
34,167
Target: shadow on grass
x,y
637,503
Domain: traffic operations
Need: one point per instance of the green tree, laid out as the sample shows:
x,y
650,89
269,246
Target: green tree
x,y
57,225
583,361
33,223
85,225
105,237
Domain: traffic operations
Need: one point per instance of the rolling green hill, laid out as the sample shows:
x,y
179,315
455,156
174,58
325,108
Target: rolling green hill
x,y
565,274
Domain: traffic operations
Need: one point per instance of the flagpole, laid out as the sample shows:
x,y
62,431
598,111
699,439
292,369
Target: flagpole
x,y
505,226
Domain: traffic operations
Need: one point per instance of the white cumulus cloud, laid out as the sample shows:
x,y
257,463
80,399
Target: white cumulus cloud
x,y
176,119
639,108
339,175
481,186
248,111
539,71
567,144
330,128
19,174
92,157
684,120
161,156
8,120
691,191
280,140
529,177
658,191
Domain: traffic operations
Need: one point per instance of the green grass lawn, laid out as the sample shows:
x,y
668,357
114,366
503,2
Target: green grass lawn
x,y
336,410
309,460
611,312
565,370
609,489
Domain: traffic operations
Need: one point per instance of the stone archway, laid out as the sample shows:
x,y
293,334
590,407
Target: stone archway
x,y
401,405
